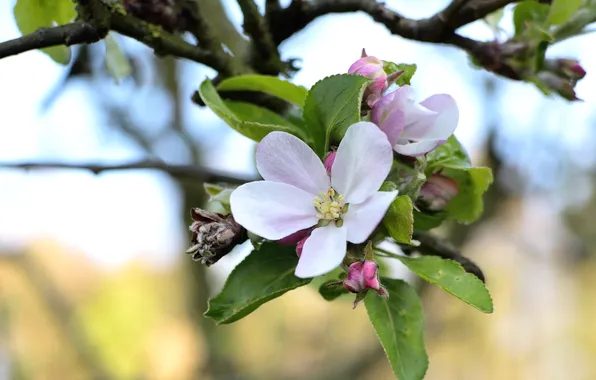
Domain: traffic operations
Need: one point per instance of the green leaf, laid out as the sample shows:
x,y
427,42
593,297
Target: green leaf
x,y
399,219
260,121
399,325
452,161
212,189
408,71
331,292
262,276
451,277
117,62
540,56
562,10
332,105
253,113
268,84
31,15
467,205
450,154
528,15
427,221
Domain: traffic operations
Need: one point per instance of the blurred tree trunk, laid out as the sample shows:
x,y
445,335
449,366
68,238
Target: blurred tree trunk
x,y
197,287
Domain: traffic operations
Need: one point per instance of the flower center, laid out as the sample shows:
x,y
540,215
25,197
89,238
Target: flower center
x,y
330,206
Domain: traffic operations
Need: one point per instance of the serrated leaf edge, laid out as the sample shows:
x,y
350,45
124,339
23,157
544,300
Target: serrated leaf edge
x,y
465,273
239,310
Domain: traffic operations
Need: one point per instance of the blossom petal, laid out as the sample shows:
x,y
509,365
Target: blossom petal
x,y
393,125
323,251
272,210
417,148
361,219
362,163
404,99
282,157
443,125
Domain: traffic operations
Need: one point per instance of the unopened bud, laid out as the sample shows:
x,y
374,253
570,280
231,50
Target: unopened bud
x,y
371,67
300,245
363,275
437,191
565,67
213,235
329,160
562,86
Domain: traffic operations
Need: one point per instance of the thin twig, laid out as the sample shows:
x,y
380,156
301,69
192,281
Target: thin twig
x,y
69,34
257,28
162,42
271,7
433,245
178,171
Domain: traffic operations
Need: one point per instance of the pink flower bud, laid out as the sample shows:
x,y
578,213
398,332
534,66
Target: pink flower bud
x,y
295,237
371,67
438,191
569,68
300,245
563,86
363,275
329,161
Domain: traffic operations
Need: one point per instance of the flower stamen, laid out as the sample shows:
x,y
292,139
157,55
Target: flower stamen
x,y
329,205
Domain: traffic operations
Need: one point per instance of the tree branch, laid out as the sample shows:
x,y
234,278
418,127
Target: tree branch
x,y
69,34
177,171
433,245
434,29
162,42
265,49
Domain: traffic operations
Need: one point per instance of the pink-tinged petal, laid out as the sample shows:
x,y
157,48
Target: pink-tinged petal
x,y
361,219
362,163
393,125
329,162
417,148
446,121
282,157
366,66
357,65
272,210
323,251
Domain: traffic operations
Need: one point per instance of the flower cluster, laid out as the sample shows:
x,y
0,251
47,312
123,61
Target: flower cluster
x,y
330,205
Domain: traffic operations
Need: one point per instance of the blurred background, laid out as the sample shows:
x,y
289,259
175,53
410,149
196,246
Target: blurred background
x,y
94,282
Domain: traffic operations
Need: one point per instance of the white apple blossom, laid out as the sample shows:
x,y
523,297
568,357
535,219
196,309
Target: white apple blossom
x,y
297,193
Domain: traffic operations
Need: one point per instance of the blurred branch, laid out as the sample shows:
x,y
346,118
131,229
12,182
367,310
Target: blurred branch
x,y
271,6
433,29
164,43
177,171
434,245
263,46
92,30
69,34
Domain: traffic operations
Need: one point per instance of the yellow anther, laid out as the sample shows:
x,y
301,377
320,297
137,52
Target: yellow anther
x,y
329,205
